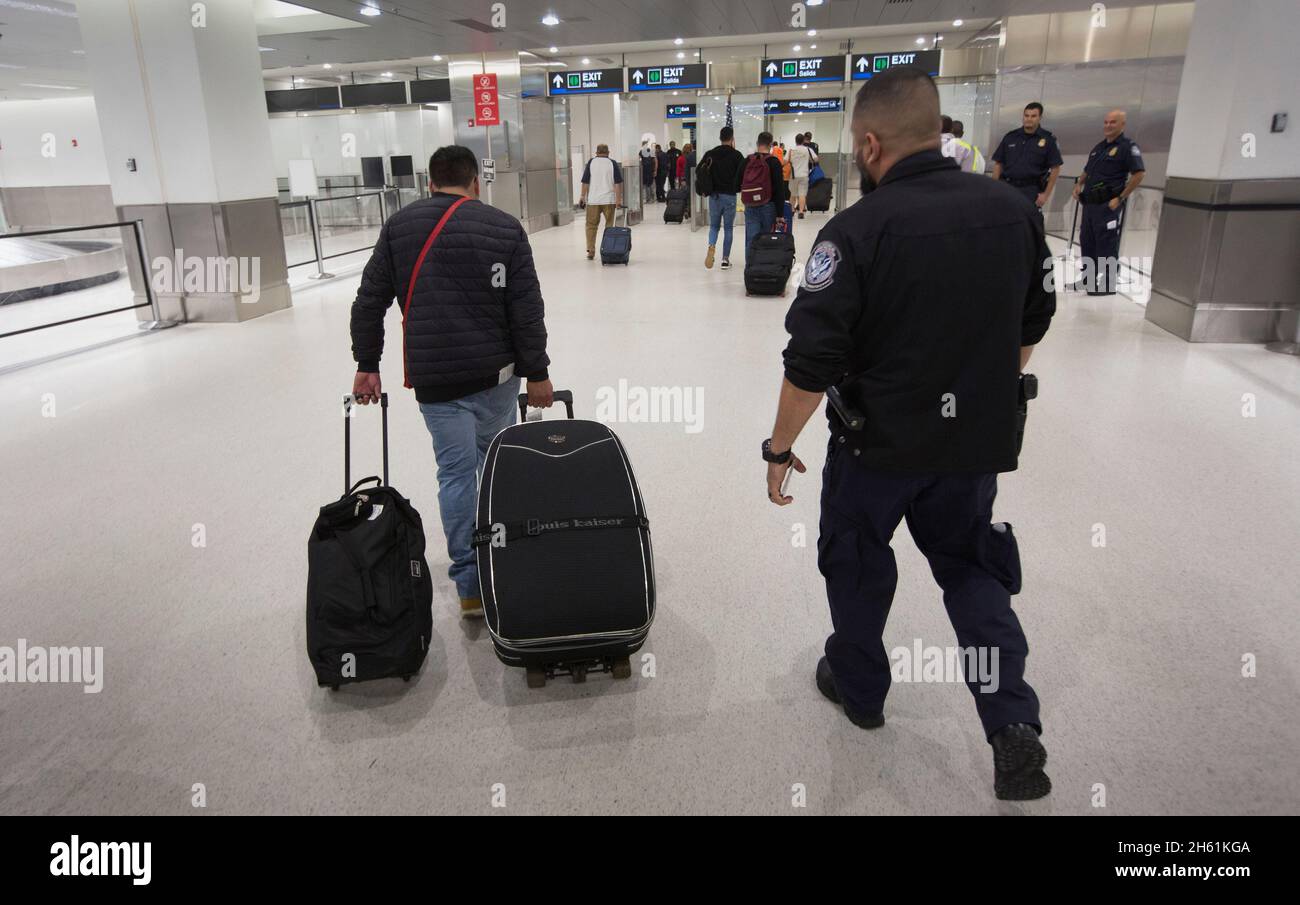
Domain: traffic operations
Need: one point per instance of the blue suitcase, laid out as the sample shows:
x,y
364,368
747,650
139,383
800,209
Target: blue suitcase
x,y
616,242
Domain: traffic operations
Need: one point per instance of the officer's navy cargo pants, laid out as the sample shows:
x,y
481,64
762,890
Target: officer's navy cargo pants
x,y
1099,231
977,567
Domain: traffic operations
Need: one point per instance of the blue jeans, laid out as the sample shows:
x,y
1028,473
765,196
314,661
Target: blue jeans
x,y
722,212
758,220
461,431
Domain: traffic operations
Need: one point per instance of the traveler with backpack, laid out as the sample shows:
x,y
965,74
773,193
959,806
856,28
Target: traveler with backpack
x,y
800,160
762,191
718,178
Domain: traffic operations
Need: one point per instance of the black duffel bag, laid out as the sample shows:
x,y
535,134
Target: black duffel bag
x,y
369,594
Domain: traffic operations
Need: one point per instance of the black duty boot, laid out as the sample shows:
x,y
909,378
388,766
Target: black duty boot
x,y
1018,760
826,685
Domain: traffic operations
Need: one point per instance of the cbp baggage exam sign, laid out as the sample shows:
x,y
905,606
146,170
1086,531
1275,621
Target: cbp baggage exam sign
x,y
585,81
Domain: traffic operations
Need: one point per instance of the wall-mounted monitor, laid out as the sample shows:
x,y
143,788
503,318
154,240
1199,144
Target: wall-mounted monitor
x,y
376,94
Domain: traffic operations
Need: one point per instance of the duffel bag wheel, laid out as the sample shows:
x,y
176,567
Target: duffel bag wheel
x,y
536,677
623,668
406,678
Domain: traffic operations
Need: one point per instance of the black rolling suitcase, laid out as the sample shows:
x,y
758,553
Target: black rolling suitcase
x,y
675,207
768,262
563,545
819,194
616,242
369,594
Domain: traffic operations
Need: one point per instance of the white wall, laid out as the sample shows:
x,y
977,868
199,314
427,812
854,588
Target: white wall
x,y
23,126
1240,69
373,133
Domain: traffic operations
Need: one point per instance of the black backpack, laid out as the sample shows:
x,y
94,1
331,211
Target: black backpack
x,y
704,177
369,593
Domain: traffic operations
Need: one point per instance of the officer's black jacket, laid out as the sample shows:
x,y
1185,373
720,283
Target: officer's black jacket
x,y
926,287
1111,162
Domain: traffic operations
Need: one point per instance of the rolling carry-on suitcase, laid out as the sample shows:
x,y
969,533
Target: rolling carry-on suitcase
x,y
369,594
675,207
562,540
616,242
768,262
819,194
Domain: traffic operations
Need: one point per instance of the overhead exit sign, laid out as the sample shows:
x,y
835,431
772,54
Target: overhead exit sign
x,y
865,65
662,78
793,70
585,81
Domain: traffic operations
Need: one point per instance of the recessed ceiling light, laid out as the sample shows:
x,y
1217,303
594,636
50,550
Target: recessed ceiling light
x,y
939,38
586,61
814,2
812,46
678,41
437,58
674,94
812,32
920,40
956,23
262,49
554,49
680,55
798,47
369,10
387,75
805,87
329,66
550,19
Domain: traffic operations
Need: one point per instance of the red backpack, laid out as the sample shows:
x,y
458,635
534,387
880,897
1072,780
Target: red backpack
x,y
756,185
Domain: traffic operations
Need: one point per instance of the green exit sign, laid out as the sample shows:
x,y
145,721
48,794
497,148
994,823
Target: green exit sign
x,y
575,80
656,76
881,63
789,70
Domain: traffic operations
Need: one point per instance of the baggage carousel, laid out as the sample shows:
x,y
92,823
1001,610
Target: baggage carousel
x,y
36,268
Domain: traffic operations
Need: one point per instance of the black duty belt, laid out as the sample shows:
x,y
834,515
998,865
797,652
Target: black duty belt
x,y
535,527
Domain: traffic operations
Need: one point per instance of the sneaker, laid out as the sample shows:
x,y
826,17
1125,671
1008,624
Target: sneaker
x,y
726,265
801,215
471,608
1018,761
826,685
708,257
591,255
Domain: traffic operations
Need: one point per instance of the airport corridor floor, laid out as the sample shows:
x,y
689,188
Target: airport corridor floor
x,y
160,492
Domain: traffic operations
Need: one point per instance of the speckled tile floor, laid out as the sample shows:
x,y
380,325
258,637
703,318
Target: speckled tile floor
x,y
1136,647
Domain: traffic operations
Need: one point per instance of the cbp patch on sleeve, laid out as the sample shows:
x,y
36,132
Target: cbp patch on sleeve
x,y
820,269
1135,151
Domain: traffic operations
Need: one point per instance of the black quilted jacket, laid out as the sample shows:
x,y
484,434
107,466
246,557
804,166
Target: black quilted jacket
x,y
476,306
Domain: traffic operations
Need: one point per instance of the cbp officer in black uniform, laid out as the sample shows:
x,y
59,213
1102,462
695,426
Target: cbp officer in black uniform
x,y
1113,172
920,304
1028,158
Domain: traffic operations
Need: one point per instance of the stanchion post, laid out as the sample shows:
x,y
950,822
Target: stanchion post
x,y
314,220
137,229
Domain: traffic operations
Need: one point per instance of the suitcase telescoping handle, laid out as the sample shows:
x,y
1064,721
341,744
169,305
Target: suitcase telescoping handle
x,y
348,402
565,396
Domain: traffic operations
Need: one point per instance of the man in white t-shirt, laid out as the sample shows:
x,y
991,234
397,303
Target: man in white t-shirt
x,y
801,160
602,192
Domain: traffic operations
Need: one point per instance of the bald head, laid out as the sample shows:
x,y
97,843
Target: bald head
x,y
901,108
1113,125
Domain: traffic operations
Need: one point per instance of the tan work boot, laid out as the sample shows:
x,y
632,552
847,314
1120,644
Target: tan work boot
x,y
708,258
471,608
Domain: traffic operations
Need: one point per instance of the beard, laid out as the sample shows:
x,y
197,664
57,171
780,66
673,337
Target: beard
x,y
866,184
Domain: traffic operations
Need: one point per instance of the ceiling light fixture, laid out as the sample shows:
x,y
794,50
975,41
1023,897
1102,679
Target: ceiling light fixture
x,y
369,10
586,61
920,40
554,49
678,41
812,32
437,58
680,55
329,66
387,75
956,23
550,19
798,47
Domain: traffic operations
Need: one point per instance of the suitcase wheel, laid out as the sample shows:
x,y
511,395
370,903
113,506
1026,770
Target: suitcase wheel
x,y
579,673
334,688
622,668
536,677
406,678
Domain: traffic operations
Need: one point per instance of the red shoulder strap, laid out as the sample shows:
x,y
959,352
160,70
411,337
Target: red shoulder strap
x,y
415,271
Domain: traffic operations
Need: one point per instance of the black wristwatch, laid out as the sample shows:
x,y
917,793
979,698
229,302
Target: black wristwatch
x,y
777,458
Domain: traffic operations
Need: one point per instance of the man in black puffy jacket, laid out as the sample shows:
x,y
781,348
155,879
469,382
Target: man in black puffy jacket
x,y
472,325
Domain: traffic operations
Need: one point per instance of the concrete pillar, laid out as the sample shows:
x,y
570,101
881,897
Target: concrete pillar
x,y
1226,267
179,97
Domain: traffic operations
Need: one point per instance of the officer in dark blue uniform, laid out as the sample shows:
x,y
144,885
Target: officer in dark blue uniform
x,y
1028,158
1113,172
917,309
